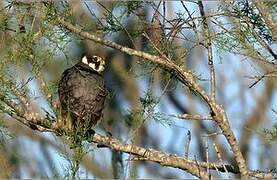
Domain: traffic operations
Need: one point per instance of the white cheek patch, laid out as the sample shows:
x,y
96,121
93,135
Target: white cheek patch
x,y
85,60
92,65
101,68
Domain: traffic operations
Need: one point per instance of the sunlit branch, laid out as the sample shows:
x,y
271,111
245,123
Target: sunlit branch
x,y
192,117
151,155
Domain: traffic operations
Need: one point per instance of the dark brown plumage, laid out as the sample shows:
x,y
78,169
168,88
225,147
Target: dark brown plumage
x,y
82,93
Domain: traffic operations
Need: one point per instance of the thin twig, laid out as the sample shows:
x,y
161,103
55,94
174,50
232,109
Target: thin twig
x,y
124,29
187,144
192,117
268,74
155,46
209,48
189,14
207,154
220,159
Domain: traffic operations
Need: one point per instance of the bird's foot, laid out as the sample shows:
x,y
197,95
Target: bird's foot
x,y
109,135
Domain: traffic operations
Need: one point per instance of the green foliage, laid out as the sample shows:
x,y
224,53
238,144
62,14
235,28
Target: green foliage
x,y
3,21
247,9
272,5
249,28
74,138
72,170
4,133
30,48
133,119
35,47
230,41
112,22
148,112
148,101
117,16
271,134
132,6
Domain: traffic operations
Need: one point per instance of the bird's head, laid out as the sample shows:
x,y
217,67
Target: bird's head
x,y
97,63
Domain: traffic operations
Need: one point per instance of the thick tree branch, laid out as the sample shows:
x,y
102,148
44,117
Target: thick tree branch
x,y
170,159
152,155
196,168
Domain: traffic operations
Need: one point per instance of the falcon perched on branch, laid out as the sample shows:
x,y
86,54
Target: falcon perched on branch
x,y
82,93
